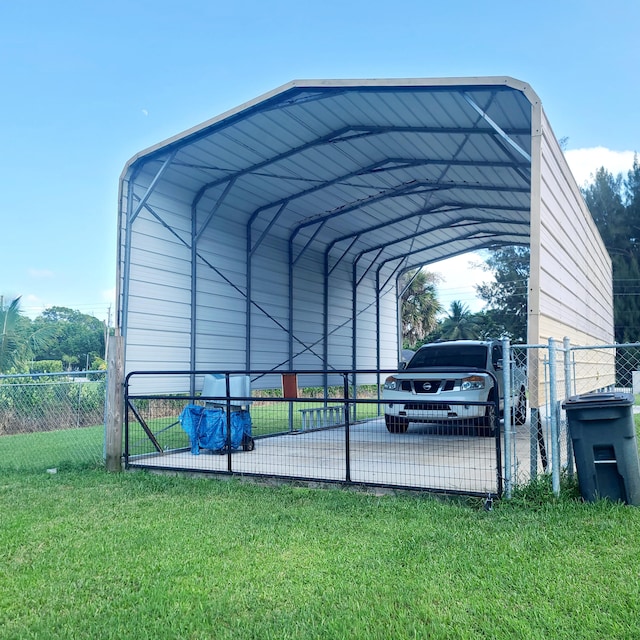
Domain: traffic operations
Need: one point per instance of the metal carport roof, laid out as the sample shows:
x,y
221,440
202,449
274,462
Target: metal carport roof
x,y
409,170
380,175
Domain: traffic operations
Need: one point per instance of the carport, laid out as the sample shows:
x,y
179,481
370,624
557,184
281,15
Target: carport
x,y
272,237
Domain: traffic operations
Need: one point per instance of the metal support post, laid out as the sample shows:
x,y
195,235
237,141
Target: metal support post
x,y
555,432
566,344
347,412
508,428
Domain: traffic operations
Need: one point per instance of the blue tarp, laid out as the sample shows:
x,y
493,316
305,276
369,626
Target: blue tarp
x,y
207,428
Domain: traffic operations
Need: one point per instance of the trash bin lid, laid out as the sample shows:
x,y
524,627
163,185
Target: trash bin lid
x,y
599,399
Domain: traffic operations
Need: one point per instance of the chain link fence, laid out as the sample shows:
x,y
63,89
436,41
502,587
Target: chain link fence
x,y
555,372
51,421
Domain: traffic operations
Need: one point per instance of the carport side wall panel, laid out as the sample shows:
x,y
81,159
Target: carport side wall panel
x,y
367,329
577,265
388,329
309,312
270,290
565,220
565,244
158,306
269,310
220,293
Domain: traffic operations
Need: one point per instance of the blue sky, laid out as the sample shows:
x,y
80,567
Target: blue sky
x,y
86,85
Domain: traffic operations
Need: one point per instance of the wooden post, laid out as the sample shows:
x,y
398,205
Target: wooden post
x,y
115,403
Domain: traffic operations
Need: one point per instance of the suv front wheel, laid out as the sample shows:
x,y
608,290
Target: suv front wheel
x,y
396,425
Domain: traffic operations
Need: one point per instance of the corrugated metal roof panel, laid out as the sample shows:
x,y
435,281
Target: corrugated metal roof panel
x,y
382,174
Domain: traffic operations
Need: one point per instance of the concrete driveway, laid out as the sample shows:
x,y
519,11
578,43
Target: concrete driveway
x,y
422,458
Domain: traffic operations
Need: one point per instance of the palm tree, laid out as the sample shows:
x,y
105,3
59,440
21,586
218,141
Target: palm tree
x,y
420,305
460,323
10,346
20,338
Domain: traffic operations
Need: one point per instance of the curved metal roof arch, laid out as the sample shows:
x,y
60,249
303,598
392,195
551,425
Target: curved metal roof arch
x,y
345,146
374,176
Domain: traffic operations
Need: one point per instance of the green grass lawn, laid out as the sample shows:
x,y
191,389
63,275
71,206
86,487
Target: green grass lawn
x,y
82,447
85,554
63,448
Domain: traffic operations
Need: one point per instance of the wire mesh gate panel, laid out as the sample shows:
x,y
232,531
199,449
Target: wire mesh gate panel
x,y
341,440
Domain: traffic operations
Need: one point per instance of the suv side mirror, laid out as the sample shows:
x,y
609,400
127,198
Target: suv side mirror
x,y
499,364
402,365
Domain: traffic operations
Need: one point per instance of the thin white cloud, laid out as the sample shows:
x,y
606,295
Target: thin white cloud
x,y
585,162
40,273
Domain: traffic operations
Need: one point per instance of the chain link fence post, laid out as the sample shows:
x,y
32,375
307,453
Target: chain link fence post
x,y
508,428
553,418
566,343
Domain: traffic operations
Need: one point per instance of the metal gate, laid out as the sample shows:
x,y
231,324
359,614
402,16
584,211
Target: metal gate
x,y
335,433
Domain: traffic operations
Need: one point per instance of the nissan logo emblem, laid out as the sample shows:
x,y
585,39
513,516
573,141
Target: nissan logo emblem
x,y
426,386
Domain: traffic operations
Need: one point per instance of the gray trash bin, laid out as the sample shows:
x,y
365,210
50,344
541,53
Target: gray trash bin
x,y
604,443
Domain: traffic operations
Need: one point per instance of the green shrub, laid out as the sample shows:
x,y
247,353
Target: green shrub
x,y
46,366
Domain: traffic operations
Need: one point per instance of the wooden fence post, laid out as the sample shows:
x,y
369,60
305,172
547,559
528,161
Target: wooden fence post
x,y
115,403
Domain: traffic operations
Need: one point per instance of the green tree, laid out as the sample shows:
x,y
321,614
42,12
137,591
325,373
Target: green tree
x,y
614,203
78,338
507,295
21,339
632,204
460,323
420,305
603,197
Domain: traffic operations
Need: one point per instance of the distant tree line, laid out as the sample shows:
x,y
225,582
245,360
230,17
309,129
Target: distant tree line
x,y
614,202
59,339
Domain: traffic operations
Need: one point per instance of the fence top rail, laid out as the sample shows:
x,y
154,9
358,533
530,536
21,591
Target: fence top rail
x,y
59,374
337,401
574,347
302,373
621,345
528,346
260,372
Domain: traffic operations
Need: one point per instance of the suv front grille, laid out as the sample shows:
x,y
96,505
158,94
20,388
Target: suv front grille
x,y
426,386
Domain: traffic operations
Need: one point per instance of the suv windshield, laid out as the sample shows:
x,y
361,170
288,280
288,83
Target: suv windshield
x,y
470,355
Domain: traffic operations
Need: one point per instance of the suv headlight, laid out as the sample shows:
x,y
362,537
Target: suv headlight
x,y
391,384
472,383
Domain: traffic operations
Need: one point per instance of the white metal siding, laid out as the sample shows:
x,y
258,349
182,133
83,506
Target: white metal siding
x,y
159,305
575,268
570,290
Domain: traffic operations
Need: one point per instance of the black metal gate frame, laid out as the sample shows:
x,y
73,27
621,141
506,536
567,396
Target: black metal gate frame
x,y
348,402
